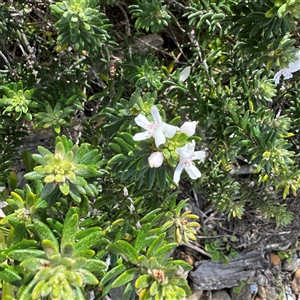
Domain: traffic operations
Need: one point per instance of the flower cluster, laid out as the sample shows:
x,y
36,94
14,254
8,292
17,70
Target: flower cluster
x,y
161,132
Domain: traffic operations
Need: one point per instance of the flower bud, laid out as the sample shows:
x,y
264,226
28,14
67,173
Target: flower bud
x,y
156,159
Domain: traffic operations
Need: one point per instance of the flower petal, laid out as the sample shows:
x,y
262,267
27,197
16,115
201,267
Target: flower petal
x,y
159,137
294,66
193,172
155,114
156,159
189,128
177,173
277,76
198,155
190,147
169,130
142,136
142,121
184,153
2,214
286,74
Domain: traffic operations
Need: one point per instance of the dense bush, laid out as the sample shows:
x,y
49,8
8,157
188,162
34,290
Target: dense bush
x,y
170,97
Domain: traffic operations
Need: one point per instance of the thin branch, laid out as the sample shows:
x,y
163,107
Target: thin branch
x,y
6,61
193,39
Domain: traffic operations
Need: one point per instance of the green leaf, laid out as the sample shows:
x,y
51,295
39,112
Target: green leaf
x,y
150,176
129,292
33,264
49,190
89,158
154,288
22,254
95,265
156,245
44,151
89,241
88,277
84,205
83,233
25,294
7,274
125,250
22,245
125,146
117,158
78,294
70,227
149,216
55,225
74,193
125,277
45,233
50,248
33,176
65,188
164,252
141,237
143,281
161,178
112,274
87,253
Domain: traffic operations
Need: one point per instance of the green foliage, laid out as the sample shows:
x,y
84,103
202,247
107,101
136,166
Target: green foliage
x,y
54,118
144,72
282,8
16,101
68,168
60,272
10,139
281,52
81,23
151,16
156,275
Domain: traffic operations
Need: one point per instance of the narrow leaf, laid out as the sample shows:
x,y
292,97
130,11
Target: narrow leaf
x,y
125,277
112,274
125,250
141,237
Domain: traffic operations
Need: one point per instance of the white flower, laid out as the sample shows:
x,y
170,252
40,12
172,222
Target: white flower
x,y
156,159
2,204
187,155
189,127
156,128
294,66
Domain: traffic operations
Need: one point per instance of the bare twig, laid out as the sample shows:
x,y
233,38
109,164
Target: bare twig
x,y
6,61
198,249
193,39
157,49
